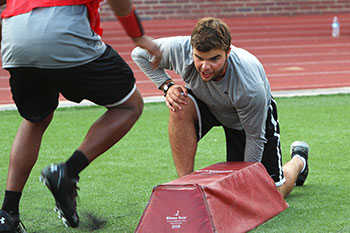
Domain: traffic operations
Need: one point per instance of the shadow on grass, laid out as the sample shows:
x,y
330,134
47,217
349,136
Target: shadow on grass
x,y
91,222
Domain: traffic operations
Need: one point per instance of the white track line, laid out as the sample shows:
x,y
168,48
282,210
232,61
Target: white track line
x,y
154,99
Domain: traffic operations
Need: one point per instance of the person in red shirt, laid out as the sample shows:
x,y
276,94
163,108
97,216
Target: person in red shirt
x,y
70,59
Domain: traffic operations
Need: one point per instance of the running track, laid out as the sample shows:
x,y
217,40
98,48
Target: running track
x,y
297,52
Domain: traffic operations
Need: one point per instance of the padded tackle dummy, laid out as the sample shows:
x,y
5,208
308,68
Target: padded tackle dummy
x,y
225,197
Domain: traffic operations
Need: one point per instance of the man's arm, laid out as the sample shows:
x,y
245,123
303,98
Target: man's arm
x,y
176,56
143,60
126,14
120,7
253,115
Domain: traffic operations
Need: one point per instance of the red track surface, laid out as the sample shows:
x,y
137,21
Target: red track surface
x,y
298,52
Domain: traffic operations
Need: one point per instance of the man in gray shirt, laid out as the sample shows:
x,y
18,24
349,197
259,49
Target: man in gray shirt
x,y
225,86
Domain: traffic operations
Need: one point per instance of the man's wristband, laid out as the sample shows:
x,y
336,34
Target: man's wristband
x,y
132,24
166,87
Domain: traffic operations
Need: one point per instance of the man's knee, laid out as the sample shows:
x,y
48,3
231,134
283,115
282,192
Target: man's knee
x,y
187,113
134,104
137,103
43,124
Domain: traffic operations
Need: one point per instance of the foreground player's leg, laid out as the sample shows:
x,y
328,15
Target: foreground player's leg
x,y
111,127
24,153
61,179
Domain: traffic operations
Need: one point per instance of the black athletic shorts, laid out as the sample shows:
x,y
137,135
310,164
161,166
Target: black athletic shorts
x,y
104,81
235,139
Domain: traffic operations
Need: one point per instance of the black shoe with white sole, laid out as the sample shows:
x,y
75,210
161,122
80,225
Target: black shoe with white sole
x,y
302,149
64,190
10,223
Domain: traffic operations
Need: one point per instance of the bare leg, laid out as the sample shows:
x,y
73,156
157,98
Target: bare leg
x,y
291,171
24,152
182,137
111,127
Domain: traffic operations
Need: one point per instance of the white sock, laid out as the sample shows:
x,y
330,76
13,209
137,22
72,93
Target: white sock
x,y
304,161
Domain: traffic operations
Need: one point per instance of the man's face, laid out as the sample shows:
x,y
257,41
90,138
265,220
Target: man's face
x,y
211,65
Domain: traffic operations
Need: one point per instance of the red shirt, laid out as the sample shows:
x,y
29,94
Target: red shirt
x,y
17,7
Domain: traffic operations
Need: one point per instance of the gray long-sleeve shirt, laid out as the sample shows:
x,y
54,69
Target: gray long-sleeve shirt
x,y
239,101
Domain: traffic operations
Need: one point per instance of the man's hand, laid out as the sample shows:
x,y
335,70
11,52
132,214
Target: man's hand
x,y
175,97
147,43
124,8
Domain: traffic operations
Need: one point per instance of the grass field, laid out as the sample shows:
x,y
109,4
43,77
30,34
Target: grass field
x,y
116,187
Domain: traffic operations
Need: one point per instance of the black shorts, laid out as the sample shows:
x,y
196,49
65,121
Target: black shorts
x,y
104,81
235,139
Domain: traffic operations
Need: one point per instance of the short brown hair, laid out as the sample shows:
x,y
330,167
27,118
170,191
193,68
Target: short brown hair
x,y
211,33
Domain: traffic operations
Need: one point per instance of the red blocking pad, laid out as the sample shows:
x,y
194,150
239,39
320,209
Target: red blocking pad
x,y
225,197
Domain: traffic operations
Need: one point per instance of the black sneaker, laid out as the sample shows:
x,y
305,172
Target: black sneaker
x,y
64,190
301,148
10,223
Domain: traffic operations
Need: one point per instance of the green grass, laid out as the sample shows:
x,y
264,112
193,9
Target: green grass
x,y
115,188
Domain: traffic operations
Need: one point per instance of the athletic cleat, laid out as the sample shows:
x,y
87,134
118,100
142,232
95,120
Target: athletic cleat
x,y
64,190
301,148
10,223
